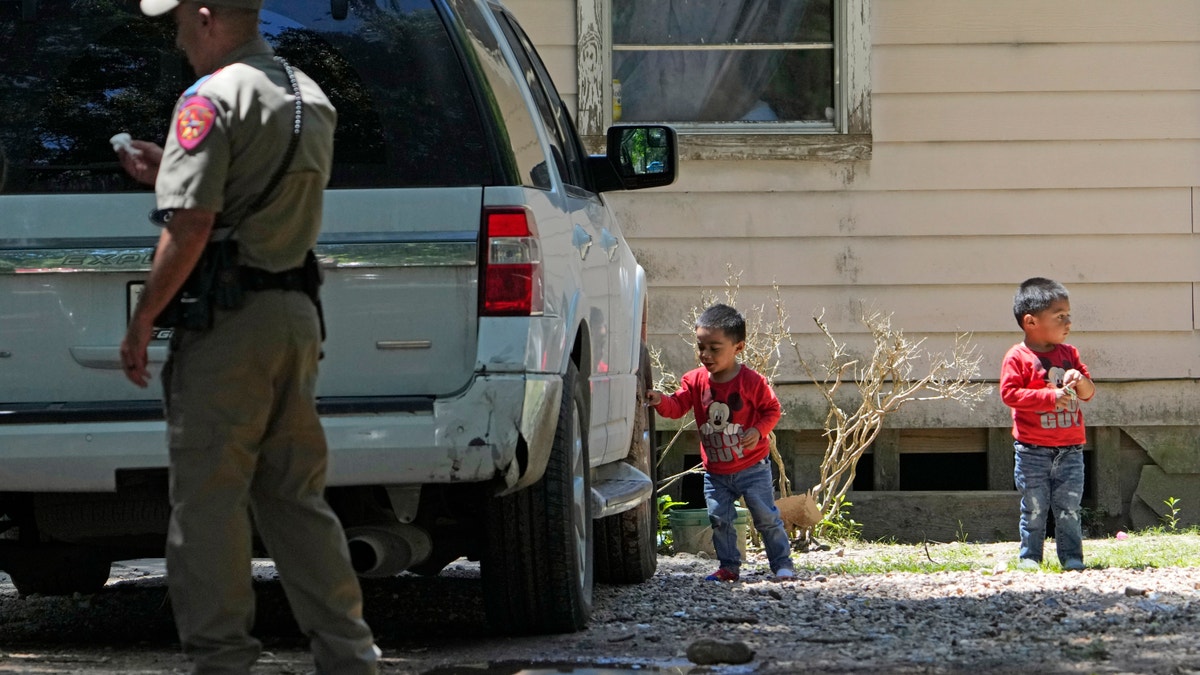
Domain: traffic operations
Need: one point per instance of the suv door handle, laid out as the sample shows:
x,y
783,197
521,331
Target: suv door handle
x,y
609,243
582,241
109,358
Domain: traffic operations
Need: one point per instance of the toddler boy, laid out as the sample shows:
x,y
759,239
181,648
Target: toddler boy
x,y
1043,380
735,412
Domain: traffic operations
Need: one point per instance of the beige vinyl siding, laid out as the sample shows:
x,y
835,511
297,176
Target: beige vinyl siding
x,y
928,22
550,24
916,213
1010,139
972,165
1038,116
1036,67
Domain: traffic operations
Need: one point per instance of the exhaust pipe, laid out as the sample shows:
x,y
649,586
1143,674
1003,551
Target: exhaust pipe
x,y
388,549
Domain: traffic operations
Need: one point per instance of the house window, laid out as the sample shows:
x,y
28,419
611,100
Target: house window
x,y
738,79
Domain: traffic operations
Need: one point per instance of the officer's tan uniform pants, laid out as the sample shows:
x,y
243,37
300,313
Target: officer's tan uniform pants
x,y
245,436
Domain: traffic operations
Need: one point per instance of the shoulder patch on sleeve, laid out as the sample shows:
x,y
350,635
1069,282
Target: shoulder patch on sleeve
x,y
193,121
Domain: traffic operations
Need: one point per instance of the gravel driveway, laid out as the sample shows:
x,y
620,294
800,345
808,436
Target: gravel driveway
x,y
1095,621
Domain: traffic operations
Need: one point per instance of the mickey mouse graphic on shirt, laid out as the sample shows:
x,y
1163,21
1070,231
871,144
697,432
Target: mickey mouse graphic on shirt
x,y
722,438
1069,415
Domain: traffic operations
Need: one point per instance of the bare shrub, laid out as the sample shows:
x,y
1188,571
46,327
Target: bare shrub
x,y
885,380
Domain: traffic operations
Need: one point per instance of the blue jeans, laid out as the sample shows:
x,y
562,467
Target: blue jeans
x,y
754,484
1050,480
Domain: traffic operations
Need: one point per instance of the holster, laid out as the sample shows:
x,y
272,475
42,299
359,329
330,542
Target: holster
x,y
214,281
307,279
313,279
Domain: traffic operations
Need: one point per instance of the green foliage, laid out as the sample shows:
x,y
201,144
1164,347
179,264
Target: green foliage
x,y
1169,521
665,540
1171,518
839,526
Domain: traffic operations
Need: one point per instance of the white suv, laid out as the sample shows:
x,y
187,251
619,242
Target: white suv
x,y
482,377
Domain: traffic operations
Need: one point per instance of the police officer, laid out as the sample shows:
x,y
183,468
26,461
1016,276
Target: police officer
x,y
243,431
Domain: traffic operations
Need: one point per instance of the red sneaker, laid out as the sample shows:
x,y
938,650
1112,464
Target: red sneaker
x,y
722,574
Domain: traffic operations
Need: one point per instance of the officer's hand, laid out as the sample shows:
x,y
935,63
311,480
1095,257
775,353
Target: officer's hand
x,y
134,359
144,165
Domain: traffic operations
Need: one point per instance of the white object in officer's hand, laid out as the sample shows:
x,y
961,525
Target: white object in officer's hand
x,y
124,141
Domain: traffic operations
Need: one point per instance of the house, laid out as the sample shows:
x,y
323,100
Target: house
x,y
965,147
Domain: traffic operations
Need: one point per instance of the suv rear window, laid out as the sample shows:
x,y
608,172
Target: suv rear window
x,y
75,72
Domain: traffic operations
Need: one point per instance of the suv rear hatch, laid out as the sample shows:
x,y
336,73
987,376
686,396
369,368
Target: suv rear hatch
x,y
402,223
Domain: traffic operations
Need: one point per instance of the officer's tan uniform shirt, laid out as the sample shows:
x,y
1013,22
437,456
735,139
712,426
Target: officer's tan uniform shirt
x,y
242,146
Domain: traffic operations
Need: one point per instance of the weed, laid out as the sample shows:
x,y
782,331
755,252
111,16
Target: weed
x,y
837,524
1171,518
665,504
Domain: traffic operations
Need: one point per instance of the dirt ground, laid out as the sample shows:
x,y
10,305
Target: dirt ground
x,y
979,622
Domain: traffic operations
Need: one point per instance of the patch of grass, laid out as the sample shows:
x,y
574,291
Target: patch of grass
x,y
881,558
1145,549
1139,551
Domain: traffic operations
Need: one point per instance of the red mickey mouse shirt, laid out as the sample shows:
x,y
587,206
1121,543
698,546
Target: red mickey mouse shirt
x,y
724,412
1028,384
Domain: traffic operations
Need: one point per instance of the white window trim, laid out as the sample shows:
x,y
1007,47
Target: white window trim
x,y
851,141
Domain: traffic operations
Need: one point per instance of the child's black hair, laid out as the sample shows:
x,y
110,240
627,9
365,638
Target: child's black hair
x,y
1036,295
726,319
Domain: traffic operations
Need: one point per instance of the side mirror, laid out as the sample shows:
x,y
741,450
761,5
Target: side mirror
x,y
637,157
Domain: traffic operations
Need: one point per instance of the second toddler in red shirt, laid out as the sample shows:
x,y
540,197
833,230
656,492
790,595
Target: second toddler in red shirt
x,y
735,411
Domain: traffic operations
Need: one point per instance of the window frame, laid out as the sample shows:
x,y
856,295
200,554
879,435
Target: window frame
x,y
725,141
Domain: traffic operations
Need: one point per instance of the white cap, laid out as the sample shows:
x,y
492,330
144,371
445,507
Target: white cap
x,y
159,7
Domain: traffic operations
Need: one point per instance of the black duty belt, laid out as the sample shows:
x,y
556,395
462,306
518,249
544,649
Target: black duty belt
x,y
255,279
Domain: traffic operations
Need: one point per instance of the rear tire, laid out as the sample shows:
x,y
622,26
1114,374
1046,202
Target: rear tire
x,y
537,571
627,543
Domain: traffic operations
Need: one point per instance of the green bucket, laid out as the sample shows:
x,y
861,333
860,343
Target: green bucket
x,y
691,530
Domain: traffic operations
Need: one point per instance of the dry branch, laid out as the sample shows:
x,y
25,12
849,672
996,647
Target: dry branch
x,y
885,383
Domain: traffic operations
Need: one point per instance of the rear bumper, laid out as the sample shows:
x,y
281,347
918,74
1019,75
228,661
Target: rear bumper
x,y
469,438
472,437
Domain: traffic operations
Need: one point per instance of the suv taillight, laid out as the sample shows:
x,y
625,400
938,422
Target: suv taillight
x,y
512,265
